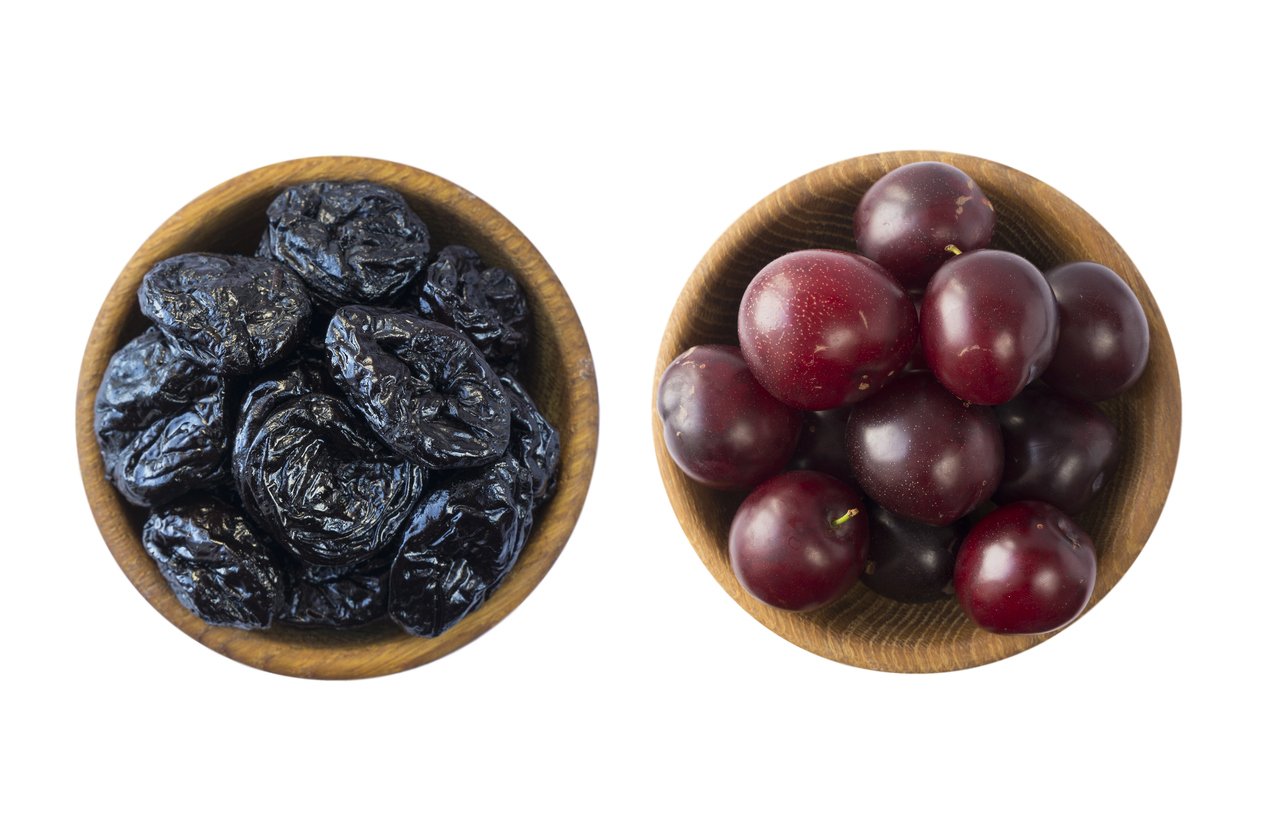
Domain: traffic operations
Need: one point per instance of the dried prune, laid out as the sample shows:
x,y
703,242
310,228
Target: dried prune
x,y
321,483
232,314
534,442
462,541
216,565
289,382
324,596
486,304
352,242
159,421
423,387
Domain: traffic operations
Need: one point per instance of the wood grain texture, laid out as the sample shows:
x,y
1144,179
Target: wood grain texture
x,y
557,371
1034,220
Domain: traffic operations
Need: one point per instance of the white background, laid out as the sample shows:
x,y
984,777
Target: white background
x,y
629,691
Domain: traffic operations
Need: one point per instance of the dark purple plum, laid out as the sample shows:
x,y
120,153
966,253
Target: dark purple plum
x,y
916,217
822,444
988,325
919,451
798,541
1026,568
720,426
908,561
1104,338
821,329
1056,449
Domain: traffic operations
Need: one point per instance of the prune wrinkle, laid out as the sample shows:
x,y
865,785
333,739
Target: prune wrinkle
x,y
351,242
322,596
219,568
160,422
424,388
322,484
486,304
233,315
462,541
534,443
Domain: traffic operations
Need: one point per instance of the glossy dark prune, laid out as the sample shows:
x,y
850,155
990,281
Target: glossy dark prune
x,y
534,442
233,315
324,596
283,384
160,422
351,242
463,540
486,304
423,387
320,483
216,565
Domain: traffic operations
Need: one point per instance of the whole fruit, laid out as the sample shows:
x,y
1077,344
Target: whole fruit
x,y
908,561
988,325
821,329
1025,568
720,427
915,217
1056,449
1104,338
919,451
798,541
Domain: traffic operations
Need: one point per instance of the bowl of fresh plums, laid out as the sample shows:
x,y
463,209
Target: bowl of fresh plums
x,y
336,418
917,411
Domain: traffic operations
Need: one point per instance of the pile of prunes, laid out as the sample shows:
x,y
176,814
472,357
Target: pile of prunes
x,y
331,431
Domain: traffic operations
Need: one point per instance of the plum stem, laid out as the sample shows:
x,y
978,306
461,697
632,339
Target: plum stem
x,y
953,249
853,512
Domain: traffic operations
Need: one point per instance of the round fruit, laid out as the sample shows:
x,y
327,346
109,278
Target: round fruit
x,y
822,444
920,452
821,329
1103,333
1025,568
915,217
1056,449
988,324
909,561
719,425
799,540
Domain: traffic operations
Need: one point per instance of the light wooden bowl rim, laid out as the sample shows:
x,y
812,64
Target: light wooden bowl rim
x,y
827,632
379,649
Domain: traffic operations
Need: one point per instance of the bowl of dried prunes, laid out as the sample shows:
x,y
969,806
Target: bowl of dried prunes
x,y
336,418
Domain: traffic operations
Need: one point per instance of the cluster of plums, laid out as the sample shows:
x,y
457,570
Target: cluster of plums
x,y
878,402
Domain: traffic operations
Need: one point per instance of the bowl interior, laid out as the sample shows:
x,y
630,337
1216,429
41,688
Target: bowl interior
x,y
557,371
1033,220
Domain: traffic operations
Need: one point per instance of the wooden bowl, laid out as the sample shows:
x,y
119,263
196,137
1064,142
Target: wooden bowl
x,y
1034,220
557,371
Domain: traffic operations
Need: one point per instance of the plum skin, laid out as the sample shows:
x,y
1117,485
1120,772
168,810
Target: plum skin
x,y
1026,568
920,452
787,547
1104,337
719,425
821,329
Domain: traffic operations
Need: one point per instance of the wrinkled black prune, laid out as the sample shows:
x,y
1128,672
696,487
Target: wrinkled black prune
x,y
423,387
462,541
321,483
486,304
352,242
233,315
324,596
534,443
292,380
160,422
216,565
